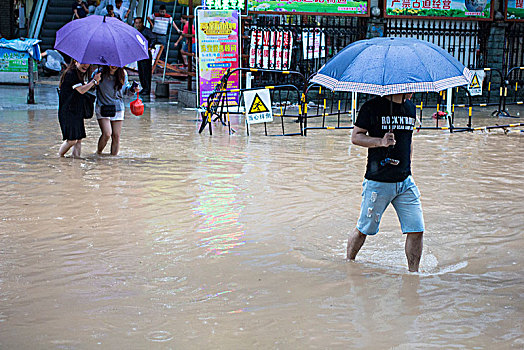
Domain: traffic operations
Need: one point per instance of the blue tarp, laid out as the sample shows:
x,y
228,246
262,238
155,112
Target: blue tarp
x,y
23,45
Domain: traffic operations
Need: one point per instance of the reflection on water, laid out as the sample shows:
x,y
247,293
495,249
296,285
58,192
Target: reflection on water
x,y
216,204
192,241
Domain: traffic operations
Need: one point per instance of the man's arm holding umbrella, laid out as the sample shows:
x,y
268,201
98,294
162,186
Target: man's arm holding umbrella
x,y
360,137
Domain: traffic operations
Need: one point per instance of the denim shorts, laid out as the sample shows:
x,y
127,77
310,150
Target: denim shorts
x,y
405,198
185,48
119,115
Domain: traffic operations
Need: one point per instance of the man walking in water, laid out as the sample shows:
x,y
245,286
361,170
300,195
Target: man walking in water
x,y
385,126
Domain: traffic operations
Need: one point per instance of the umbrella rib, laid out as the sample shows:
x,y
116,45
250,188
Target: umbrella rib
x,y
72,32
89,41
114,46
430,73
384,69
422,62
86,44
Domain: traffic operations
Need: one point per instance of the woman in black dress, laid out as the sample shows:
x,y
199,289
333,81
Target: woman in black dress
x,y
71,106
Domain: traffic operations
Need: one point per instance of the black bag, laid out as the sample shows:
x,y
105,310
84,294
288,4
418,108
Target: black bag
x,y
108,111
89,105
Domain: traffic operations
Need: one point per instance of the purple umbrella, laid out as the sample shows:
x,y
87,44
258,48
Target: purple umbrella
x,y
101,40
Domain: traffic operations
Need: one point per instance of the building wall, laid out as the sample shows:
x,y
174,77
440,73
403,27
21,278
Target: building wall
x,y
6,18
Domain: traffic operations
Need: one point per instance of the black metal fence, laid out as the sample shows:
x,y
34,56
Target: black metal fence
x,y
315,39
304,43
514,47
465,40
514,58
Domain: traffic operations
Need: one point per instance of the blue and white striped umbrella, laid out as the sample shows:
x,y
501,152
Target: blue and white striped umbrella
x,y
387,66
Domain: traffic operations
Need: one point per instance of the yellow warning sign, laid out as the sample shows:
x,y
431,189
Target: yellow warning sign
x,y
475,86
258,106
474,82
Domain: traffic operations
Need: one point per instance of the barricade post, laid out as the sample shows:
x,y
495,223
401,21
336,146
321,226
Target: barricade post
x,y
217,106
326,103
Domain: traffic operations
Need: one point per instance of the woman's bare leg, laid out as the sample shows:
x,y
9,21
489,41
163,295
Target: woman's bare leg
x,y
105,127
66,145
116,125
77,149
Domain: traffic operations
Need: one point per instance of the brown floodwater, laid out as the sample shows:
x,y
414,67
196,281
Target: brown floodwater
x,y
192,241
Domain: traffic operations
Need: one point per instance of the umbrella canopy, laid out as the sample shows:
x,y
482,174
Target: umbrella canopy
x,y
386,66
101,40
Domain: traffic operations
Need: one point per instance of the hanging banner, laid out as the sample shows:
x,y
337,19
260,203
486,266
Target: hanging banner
x,y
450,9
218,50
515,10
266,42
258,106
255,49
313,44
270,49
287,49
311,7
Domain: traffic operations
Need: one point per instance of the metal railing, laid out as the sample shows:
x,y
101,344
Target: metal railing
x,y
514,48
285,99
315,39
38,18
464,40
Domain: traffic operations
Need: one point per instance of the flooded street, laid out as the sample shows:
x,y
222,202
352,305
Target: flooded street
x,y
191,241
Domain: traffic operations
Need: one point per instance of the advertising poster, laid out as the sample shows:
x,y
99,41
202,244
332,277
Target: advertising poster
x,y
218,50
270,49
515,10
455,9
335,7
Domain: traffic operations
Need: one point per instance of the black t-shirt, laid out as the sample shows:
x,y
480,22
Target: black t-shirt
x,y
378,116
149,35
70,100
80,9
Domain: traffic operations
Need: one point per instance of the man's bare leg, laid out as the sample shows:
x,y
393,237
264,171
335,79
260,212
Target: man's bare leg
x,y
355,242
413,250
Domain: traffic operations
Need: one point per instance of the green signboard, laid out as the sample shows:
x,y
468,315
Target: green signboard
x,y
515,10
13,66
450,9
323,7
13,61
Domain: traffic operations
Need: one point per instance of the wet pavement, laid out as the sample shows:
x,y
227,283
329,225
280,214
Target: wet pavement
x,y
191,241
14,97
